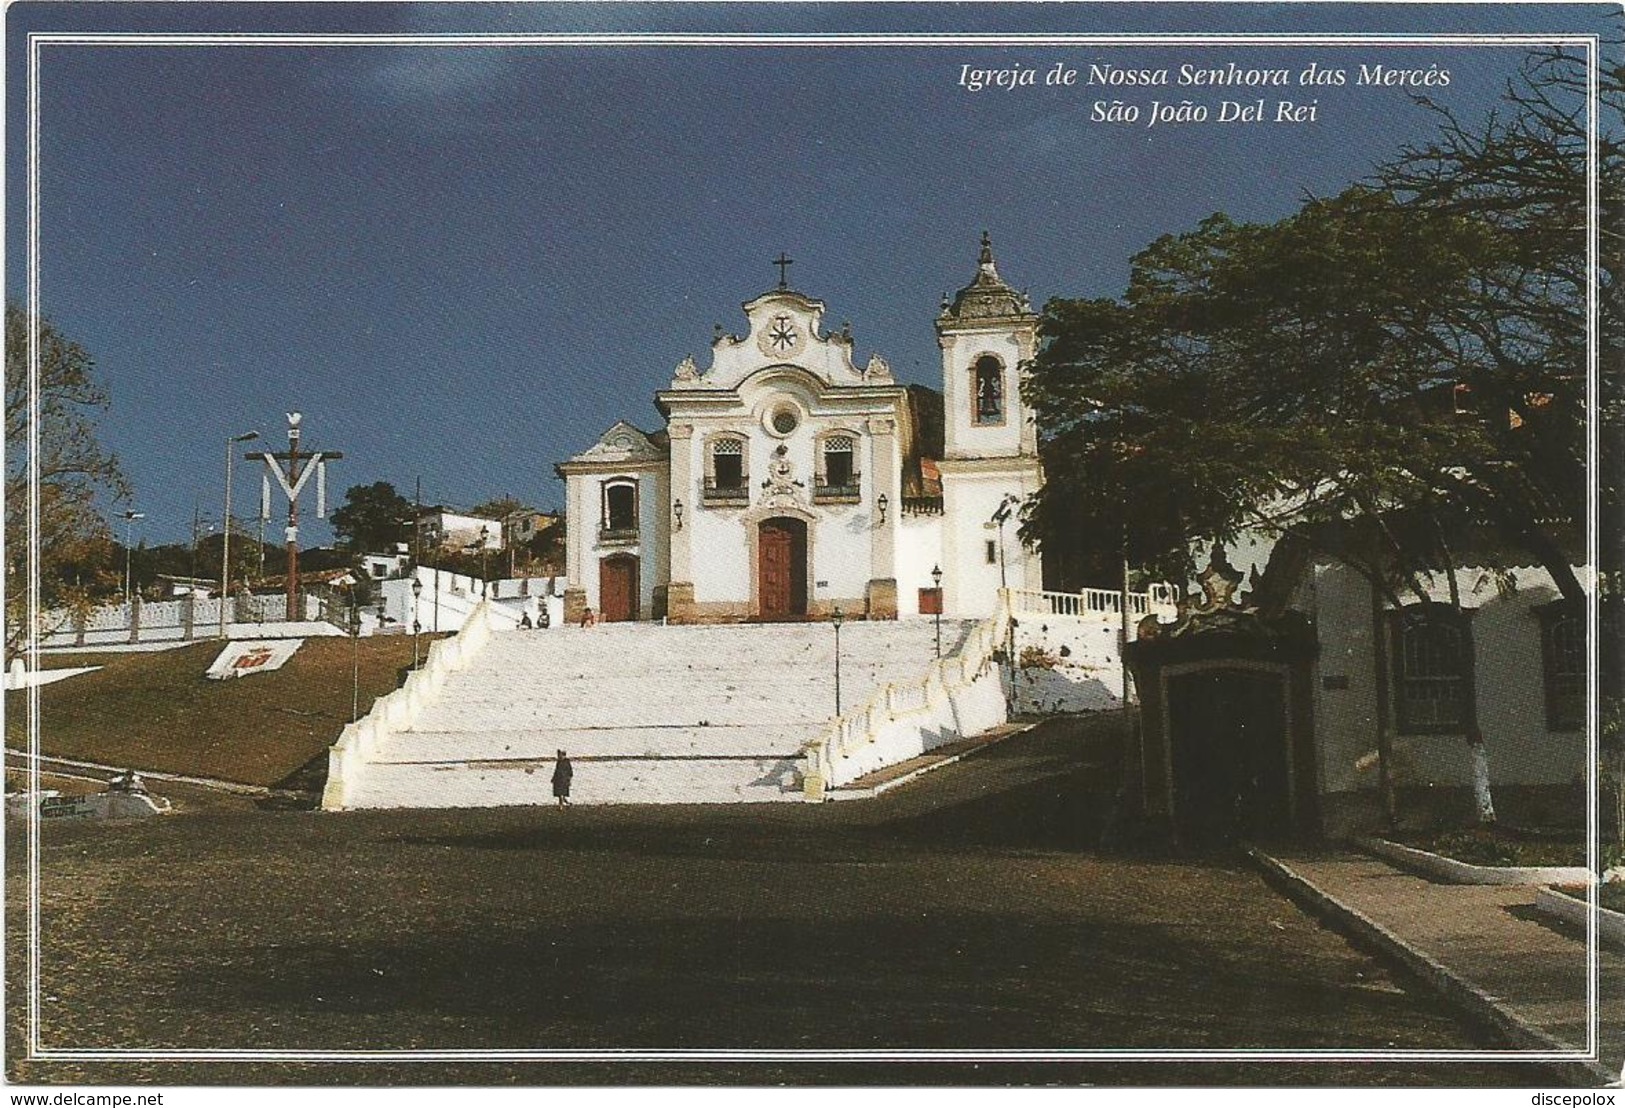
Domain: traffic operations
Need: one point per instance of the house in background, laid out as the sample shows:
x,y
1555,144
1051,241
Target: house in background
x,y
441,528
1262,712
380,567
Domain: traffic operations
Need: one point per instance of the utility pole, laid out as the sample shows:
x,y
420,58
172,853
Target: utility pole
x,y
225,538
293,483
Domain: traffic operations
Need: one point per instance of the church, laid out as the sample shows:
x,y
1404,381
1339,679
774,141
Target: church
x,y
789,483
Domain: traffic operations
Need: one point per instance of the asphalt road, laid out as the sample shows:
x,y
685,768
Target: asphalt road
x,y
974,910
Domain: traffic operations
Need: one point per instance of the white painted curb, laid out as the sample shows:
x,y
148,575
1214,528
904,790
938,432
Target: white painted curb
x,y
1610,924
1463,873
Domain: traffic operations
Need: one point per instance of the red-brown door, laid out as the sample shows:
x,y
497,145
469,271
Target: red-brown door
x,y
618,588
782,568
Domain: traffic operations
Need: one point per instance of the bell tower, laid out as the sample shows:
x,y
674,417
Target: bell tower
x,y
988,333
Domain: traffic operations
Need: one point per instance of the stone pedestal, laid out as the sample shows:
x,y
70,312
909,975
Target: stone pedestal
x,y
680,602
882,598
575,605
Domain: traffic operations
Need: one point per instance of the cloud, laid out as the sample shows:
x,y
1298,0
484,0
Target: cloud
x,y
411,74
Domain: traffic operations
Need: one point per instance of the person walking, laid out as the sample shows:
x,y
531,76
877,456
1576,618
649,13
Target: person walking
x,y
563,771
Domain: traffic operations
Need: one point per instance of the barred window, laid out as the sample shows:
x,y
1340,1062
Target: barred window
x,y
1563,660
728,464
838,467
1432,670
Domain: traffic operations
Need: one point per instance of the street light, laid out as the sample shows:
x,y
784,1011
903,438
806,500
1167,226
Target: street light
x,y
355,656
936,577
225,541
1000,514
129,548
836,617
417,592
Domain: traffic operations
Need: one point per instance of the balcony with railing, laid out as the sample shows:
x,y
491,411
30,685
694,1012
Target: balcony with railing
x,y
725,494
616,530
838,489
922,505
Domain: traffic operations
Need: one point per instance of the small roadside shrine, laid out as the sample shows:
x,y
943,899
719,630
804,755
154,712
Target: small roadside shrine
x,y
1225,747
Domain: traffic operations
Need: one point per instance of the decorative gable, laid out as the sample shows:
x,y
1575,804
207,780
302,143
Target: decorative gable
x,y
785,329
622,444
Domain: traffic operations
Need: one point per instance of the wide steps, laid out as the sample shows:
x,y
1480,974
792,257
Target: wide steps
x,y
649,714
618,781
596,742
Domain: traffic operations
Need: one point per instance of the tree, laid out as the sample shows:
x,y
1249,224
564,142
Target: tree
x,y
1519,340
51,443
1382,376
500,508
1321,363
1252,375
372,518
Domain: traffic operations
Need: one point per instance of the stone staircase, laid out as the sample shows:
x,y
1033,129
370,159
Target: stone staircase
x,y
649,714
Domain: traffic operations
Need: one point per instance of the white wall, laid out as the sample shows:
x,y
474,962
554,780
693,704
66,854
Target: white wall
x,y
919,550
971,584
1068,664
1508,680
458,531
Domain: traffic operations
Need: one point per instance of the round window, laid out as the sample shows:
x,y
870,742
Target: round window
x,y
784,421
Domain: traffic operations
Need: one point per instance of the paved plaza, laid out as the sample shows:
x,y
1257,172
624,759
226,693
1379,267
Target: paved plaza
x,y
972,910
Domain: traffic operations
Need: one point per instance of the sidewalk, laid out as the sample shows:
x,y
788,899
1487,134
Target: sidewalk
x,y
1485,947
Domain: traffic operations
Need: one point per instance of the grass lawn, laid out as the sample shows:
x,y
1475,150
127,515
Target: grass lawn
x,y
156,711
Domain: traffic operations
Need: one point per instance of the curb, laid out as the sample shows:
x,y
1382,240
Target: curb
x,y
1476,1003
1441,868
237,787
839,794
1610,924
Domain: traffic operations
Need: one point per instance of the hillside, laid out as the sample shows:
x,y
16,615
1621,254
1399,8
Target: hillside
x,y
156,711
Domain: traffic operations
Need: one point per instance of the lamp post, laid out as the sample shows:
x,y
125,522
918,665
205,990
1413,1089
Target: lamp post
x,y
837,617
1000,514
225,538
485,561
129,548
936,577
417,627
355,657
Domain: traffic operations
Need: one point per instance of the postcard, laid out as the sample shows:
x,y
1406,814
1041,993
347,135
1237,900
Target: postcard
x,y
813,545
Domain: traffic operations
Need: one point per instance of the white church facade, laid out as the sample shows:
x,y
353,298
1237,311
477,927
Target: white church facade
x,y
788,482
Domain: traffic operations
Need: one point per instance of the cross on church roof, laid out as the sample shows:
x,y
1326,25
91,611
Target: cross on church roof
x,y
783,263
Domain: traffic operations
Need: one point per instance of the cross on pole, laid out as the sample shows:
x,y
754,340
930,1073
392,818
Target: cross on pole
x,y
293,483
783,263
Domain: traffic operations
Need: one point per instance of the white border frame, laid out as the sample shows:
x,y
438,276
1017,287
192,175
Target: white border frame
x,y
1591,45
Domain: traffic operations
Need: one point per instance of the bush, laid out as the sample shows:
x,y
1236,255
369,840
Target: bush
x,y
1612,855
1488,846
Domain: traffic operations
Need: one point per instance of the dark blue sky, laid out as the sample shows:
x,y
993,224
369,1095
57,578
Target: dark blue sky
x,y
463,263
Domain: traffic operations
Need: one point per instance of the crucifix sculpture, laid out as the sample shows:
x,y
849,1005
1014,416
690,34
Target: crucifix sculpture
x,y
293,483
783,263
